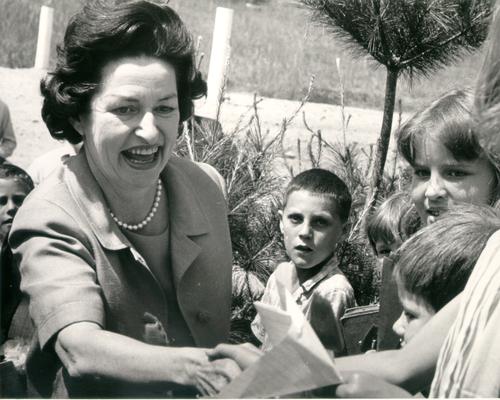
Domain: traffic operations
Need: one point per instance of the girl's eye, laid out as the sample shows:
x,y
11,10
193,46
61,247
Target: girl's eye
x,y
457,173
421,173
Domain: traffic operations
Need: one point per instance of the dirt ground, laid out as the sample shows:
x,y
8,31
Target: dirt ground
x,y
19,88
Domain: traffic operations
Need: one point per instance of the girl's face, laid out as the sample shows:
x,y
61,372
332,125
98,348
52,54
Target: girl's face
x,y
439,180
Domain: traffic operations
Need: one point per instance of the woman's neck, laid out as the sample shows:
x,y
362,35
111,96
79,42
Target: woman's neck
x,y
133,205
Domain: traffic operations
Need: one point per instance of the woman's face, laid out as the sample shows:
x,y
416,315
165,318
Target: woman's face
x,y
439,180
131,128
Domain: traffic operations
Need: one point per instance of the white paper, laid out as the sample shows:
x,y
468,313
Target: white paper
x,y
297,361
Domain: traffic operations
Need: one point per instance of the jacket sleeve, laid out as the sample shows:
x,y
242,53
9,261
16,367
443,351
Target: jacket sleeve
x,y
57,268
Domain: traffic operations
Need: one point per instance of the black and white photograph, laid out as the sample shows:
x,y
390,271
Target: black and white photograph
x,y
249,198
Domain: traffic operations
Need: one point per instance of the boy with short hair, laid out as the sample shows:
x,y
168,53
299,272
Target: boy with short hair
x,y
433,266
316,208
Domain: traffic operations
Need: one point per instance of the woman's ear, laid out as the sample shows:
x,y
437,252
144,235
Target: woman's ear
x,y
77,125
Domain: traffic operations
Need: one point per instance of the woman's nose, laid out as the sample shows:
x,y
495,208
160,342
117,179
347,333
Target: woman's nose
x,y
147,128
435,188
399,326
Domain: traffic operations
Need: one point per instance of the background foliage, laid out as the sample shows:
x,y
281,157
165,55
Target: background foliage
x,y
275,50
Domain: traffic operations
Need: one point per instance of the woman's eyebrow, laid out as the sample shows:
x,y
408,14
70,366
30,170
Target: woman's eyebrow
x,y
169,97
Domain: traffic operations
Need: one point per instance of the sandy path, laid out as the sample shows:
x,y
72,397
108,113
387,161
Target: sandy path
x,y
19,88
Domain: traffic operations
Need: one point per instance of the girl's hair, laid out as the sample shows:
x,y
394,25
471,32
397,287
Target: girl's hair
x,y
395,219
436,262
487,97
11,171
449,119
107,30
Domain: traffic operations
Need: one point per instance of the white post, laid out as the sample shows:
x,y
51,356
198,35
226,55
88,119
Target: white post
x,y
44,38
219,56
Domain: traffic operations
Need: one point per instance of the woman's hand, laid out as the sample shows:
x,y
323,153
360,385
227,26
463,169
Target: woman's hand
x,y
212,378
364,385
243,354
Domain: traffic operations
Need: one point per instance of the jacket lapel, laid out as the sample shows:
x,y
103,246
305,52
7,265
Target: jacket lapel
x,y
187,219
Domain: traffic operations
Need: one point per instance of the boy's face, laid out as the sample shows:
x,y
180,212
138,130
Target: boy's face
x,y
416,313
311,228
12,194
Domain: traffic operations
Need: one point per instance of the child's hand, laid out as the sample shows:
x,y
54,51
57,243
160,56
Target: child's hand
x,y
364,385
243,354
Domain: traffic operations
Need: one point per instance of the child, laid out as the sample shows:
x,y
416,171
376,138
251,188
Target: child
x,y
449,166
16,328
15,184
433,266
316,207
394,221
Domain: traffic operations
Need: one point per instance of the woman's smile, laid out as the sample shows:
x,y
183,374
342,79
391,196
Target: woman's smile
x,y
142,157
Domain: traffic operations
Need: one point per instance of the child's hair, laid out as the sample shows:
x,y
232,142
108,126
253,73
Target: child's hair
x,y
322,182
11,171
436,262
395,219
449,119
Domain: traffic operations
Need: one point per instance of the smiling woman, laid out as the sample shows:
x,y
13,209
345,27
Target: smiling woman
x,y
124,252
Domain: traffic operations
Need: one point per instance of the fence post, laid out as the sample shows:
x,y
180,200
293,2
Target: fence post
x,y
219,56
44,38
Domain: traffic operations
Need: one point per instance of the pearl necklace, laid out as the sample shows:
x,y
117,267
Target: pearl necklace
x,y
148,218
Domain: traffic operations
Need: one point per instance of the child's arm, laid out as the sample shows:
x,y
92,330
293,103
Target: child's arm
x,y
411,367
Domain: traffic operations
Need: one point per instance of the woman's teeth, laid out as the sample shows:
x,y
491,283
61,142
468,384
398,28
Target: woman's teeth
x,y
144,151
142,155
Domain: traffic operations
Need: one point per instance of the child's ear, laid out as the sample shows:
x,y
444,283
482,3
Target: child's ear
x,y
280,213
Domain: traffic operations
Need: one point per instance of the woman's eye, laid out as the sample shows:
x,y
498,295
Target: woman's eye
x,y
164,110
124,110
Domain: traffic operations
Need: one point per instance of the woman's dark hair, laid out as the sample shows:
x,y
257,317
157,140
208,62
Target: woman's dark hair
x,y
106,30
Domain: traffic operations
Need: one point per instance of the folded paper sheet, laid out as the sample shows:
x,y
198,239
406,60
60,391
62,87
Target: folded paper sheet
x,y
297,361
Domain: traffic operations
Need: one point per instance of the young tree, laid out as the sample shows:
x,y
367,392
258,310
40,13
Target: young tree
x,y
408,37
